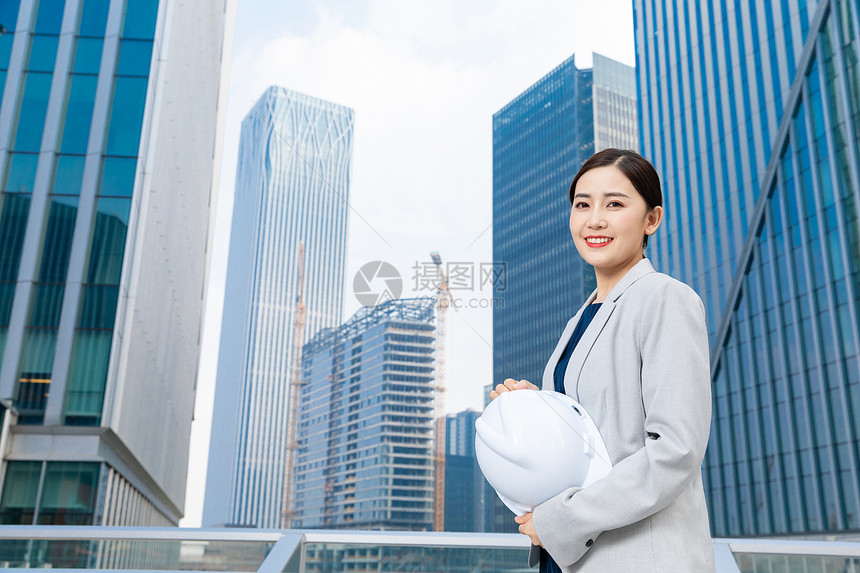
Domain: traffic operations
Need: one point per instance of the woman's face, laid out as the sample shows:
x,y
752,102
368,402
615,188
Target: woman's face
x,y
609,219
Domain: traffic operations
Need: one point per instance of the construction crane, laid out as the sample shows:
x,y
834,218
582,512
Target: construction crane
x,y
443,300
295,387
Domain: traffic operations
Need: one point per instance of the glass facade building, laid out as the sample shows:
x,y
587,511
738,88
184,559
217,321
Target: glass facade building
x,y
103,256
365,456
464,483
292,186
751,114
540,140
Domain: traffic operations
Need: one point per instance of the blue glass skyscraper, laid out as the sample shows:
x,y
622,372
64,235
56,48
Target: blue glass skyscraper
x,y
540,139
464,483
366,448
751,114
292,185
108,130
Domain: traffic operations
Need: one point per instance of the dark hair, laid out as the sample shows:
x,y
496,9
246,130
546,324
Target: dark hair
x,y
636,168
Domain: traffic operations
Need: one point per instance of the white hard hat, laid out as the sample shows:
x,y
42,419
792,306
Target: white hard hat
x,y
532,445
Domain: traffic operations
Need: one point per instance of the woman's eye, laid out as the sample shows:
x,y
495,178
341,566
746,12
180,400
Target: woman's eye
x,y
615,204
581,205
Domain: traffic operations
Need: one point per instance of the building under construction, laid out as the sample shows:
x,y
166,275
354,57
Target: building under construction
x,y
365,456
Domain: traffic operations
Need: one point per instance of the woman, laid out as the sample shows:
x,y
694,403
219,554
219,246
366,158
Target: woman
x,y
636,357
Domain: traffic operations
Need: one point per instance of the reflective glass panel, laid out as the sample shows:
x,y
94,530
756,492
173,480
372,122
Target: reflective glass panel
x,y
88,55
151,555
13,221
135,57
21,172
49,18
43,53
118,176
46,305
68,496
68,174
94,18
140,19
79,113
7,294
6,40
323,557
58,239
34,383
20,489
34,104
8,19
750,563
87,376
126,116
9,15
108,243
98,308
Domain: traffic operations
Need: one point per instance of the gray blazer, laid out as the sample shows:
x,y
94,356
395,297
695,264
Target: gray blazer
x,y
641,370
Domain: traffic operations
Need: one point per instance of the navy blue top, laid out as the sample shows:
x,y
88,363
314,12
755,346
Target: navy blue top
x,y
583,323
547,565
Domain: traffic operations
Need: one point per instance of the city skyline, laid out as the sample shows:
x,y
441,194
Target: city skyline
x,y
422,153
292,190
111,247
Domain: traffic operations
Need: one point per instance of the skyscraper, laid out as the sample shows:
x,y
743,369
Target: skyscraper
x,y
751,115
292,186
366,449
464,483
540,140
108,130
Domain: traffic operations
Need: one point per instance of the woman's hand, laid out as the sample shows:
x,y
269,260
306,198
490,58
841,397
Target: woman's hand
x,y
527,528
509,385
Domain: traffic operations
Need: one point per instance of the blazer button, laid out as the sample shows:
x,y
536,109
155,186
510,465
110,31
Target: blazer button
x,y
589,543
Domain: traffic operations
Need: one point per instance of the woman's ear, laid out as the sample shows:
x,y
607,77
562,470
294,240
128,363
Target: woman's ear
x,y
653,220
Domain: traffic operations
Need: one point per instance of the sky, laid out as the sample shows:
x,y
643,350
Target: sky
x,y
424,79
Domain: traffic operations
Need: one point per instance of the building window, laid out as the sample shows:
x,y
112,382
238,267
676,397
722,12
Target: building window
x,y
49,493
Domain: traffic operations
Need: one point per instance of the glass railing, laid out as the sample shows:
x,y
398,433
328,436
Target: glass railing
x,y
313,551
786,556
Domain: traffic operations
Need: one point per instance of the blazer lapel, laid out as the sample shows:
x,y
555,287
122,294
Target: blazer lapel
x,y
580,353
548,382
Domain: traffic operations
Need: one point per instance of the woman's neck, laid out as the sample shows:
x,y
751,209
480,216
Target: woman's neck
x,y
608,278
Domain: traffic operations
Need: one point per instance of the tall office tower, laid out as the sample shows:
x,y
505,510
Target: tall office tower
x,y
292,185
540,140
614,104
365,456
108,130
464,483
751,114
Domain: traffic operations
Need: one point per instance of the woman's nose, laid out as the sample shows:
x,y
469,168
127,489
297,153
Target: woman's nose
x,y
596,220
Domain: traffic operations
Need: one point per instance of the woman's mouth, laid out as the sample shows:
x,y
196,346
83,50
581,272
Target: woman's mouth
x,y
597,242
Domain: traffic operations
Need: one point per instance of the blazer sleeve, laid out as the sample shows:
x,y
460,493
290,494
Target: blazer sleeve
x,y
676,395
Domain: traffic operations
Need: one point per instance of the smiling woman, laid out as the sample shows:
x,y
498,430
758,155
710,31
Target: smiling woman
x,y
635,357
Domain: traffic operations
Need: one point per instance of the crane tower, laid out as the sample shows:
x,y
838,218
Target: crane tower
x,y
296,383
443,299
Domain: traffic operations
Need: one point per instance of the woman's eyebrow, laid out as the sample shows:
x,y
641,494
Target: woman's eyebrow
x,y
607,194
